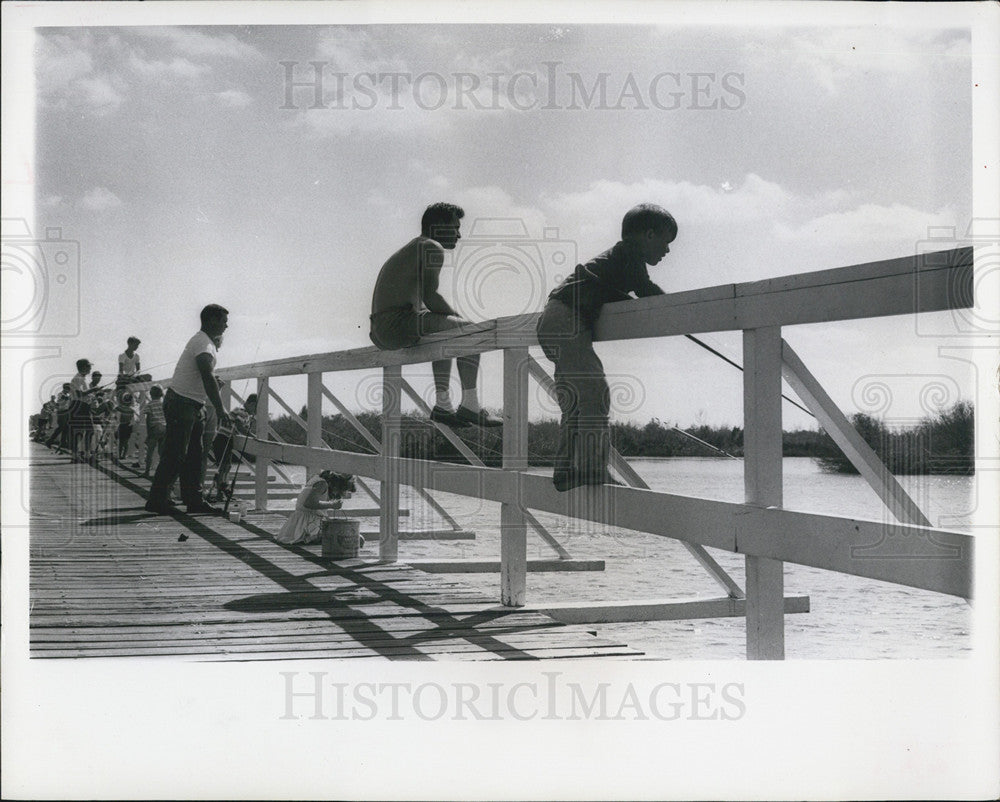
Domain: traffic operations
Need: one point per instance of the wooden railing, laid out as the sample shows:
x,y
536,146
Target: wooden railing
x,y
914,553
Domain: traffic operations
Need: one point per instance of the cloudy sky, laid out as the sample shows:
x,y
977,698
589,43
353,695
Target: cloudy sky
x,y
191,170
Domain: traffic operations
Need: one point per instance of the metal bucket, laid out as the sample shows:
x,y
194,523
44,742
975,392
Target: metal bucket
x,y
341,538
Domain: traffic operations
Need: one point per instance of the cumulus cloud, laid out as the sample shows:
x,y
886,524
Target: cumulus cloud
x,y
196,43
366,87
757,229
100,199
867,223
100,94
175,68
68,79
235,98
834,56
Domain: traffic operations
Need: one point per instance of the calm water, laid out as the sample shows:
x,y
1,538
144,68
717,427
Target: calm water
x,y
850,617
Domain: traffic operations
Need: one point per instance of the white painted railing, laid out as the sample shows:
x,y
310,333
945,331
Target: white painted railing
x,y
913,553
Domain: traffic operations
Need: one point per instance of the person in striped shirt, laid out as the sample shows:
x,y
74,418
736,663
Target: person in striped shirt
x,y
156,426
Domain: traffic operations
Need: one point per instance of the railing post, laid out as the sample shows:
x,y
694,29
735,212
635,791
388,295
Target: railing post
x,y
392,391
762,478
314,411
513,524
262,464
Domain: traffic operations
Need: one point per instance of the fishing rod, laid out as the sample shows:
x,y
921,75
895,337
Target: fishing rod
x,y
250,426
114,382
236,472
739,367
679,430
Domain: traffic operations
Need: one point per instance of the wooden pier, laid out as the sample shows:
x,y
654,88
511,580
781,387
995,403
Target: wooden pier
x,y
111,580
108,579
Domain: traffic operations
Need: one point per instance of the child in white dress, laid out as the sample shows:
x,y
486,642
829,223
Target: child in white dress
x,y
321,493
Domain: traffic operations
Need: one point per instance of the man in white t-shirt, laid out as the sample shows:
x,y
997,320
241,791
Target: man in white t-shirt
x,y
192,385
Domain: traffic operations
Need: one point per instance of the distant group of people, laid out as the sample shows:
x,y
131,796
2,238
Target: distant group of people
x,y
188,422
122,420
92,420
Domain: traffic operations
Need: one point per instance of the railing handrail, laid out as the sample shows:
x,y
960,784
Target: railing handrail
x,y
929,282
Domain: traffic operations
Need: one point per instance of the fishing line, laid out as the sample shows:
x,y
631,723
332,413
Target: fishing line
x,y
739,367
250,425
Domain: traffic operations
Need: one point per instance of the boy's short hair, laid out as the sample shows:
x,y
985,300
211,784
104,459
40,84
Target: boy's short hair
x,y
155,391
251,399
82,364
135,340
439,214
212,312
639,219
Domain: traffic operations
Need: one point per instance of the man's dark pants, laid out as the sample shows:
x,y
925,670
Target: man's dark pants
x,y
61,432
181,450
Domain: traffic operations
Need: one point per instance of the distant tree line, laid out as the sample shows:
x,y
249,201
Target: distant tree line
x,y
942,444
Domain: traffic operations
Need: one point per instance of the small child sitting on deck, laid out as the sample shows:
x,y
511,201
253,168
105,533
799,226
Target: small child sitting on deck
x,y
304,524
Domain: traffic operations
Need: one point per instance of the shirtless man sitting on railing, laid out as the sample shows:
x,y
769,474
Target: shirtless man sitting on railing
x,y
406,306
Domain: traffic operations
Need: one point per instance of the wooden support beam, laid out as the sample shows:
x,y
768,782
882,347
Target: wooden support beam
x,y
260,468
374,443
368,491
473,566
291,412
618,612
633,479
432,534
470,455
392,380
849,441
762,482
921,557
351,419
356,512
314,408
513,525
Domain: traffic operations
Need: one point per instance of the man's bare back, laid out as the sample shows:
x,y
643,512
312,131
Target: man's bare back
x,y
404,277
406,306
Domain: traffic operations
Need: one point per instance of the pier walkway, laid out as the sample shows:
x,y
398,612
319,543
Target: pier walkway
x,y
110,580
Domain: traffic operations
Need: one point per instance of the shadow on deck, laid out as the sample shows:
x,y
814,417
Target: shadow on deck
x,y
111,580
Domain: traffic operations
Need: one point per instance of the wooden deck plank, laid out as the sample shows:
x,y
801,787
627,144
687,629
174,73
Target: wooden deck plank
x,y
109,580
